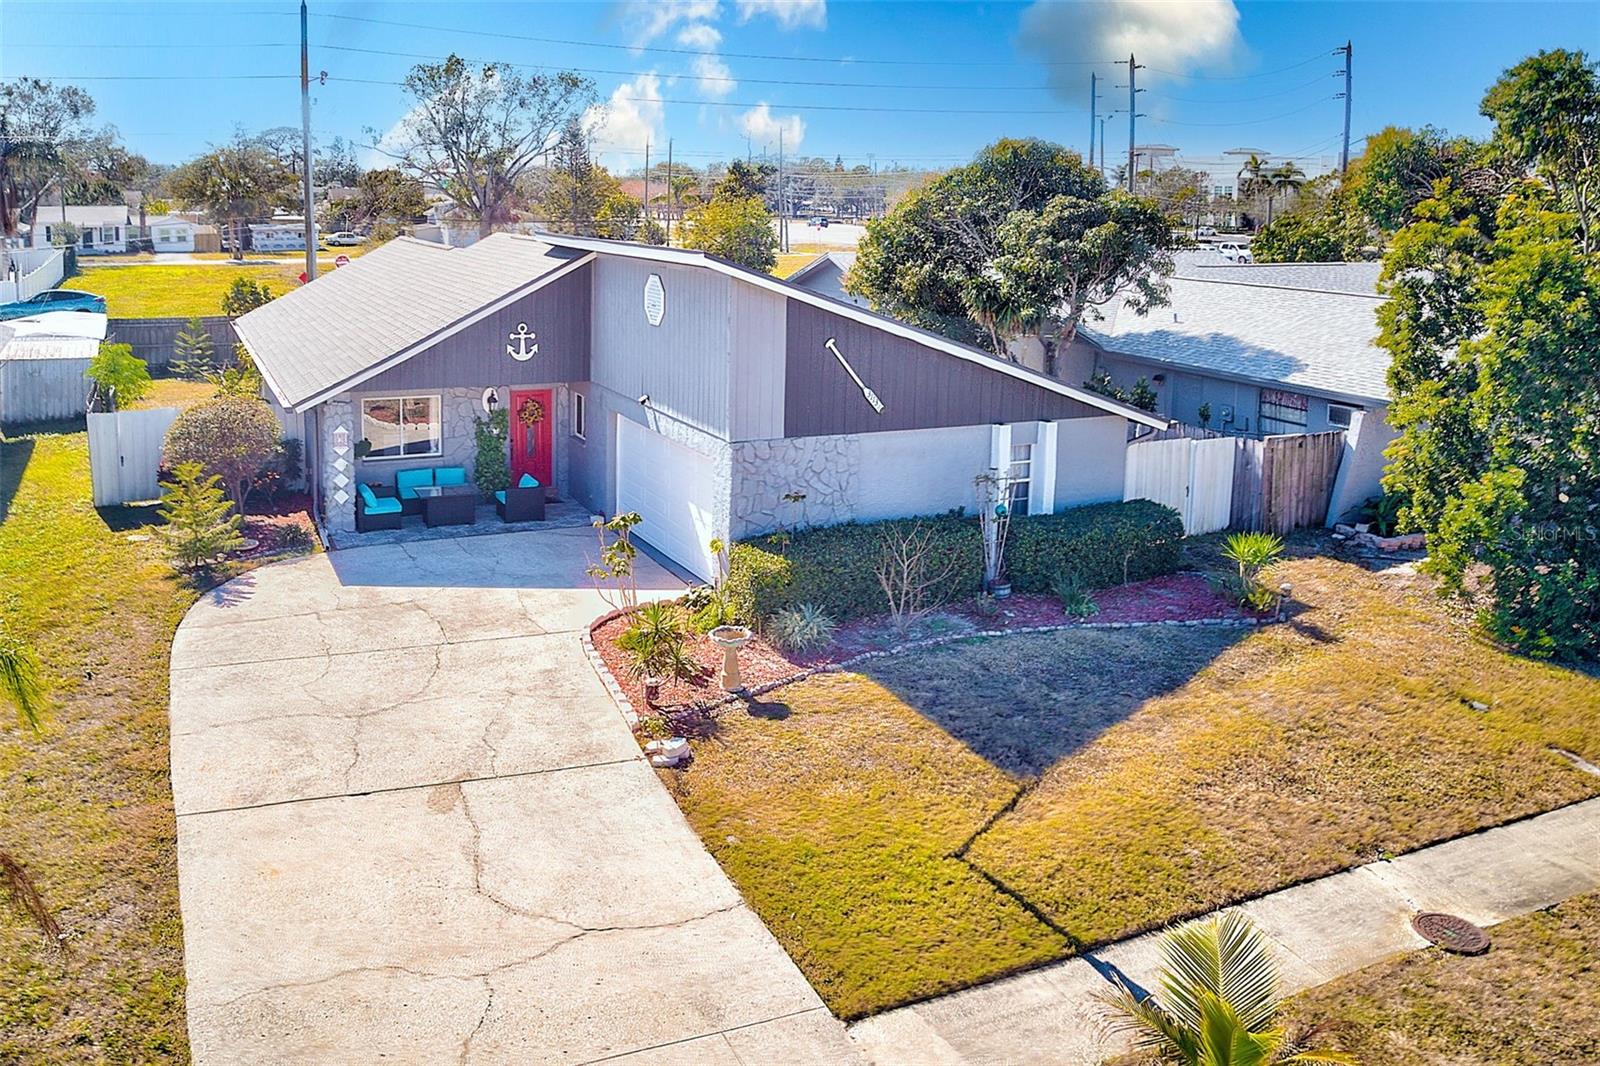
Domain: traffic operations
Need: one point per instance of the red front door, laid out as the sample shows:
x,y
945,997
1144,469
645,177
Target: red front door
x,y
532,415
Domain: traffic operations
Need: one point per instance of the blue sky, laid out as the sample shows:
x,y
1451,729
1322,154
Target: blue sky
x,y
917,83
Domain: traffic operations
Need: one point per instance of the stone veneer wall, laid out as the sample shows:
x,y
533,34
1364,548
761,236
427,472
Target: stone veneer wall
x,y
826,469
338,469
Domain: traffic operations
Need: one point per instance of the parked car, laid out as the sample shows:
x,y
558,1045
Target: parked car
x,y
1206,231
53,300
343,239
1234,252
820,222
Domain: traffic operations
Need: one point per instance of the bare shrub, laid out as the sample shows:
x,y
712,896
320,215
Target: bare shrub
x,y
911,574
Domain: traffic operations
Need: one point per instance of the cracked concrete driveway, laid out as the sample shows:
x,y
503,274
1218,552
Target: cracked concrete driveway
x,y
412,827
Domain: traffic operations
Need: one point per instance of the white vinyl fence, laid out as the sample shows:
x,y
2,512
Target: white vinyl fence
x,y
37,269
125,454
1193,477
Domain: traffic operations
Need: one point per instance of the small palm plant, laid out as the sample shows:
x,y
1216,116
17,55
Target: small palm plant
x,y
1253,553
1218,999
21,686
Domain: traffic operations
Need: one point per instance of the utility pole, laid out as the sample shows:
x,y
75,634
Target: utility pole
x,y
1093,112
647,179
1133,114
1102,146
1344,153
671,196
783,191
305,146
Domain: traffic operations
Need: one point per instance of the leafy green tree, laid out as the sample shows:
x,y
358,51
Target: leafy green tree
x,y
1400,167
63,234
742,180
474,132
1492,325
44,131
388,197
1217,1002
229,436
491,470
201,523
1324,226
235,183
244,296
194,355
737,230
121,379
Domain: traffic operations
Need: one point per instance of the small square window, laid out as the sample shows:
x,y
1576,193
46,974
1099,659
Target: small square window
x,y
580,416
1339,415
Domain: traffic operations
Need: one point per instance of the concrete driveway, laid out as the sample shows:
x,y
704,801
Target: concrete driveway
x,y
412,827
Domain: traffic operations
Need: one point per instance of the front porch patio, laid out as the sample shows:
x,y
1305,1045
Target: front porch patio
x,y
558,514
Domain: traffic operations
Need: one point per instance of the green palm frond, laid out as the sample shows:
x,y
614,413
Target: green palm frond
x,y
20,684
1148,1026
1227,957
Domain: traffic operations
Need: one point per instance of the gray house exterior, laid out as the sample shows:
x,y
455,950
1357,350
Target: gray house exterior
x,y
674,384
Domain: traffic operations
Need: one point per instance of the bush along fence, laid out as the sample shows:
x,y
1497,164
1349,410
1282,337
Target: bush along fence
x,y
155,339
833,567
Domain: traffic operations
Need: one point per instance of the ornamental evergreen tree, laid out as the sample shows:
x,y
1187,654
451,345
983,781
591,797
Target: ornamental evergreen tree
x,y
194,356
201,524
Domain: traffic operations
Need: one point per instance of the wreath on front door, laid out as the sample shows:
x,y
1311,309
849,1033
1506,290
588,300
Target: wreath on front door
x,y
531,413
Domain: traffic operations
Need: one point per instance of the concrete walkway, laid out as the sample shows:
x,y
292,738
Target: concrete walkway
x,y
1319,931
412,827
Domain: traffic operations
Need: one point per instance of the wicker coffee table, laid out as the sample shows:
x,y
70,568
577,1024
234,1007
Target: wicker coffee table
x,y
448,505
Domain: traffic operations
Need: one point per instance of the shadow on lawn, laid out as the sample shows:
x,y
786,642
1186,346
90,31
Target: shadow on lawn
x,y
1025,702
14,456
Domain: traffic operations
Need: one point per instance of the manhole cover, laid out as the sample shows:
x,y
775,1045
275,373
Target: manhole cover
x,y
1451,933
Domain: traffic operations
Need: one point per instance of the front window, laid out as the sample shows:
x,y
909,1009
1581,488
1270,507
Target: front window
x,y
1283,412
1021,478
402,427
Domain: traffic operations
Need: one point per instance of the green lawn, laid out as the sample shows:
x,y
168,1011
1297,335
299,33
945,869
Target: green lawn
x,y
177,289
1533,1000
980,808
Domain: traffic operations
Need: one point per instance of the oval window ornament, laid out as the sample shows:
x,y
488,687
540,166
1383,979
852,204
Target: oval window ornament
x,y
655,300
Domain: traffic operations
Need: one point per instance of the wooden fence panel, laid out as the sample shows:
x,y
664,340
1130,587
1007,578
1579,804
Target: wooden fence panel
x,y
1297,475
125,454
153,339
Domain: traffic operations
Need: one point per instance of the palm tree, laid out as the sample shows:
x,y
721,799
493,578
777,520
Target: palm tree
x,y
1285,177
21,687
1219,995
1253,180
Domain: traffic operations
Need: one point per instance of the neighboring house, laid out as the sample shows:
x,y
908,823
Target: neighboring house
x,y
170,233
666,382
1260,357
280,235
101,230
42,366
825,275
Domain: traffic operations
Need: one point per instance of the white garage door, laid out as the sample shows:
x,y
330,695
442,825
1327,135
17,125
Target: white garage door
x,y
672,487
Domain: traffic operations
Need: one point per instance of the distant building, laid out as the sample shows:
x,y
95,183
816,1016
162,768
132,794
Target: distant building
x,y
280,235
825,275
1222,172
169,233
101,230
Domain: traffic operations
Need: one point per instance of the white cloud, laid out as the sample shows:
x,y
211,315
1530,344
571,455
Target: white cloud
x,y
630,117
790,14
712,77
645,20
1159,33
699,35
762,127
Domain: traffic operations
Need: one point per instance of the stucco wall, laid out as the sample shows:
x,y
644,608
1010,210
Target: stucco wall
x,y
1090,456
1361,469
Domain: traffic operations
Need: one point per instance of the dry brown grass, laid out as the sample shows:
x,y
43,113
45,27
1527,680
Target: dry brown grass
x,y
1171,771
1533,1000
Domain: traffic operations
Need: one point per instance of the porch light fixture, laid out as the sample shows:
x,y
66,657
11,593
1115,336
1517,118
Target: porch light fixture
x,y
644,401
491,399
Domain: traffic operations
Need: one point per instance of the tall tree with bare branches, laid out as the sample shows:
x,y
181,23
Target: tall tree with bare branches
x,y
472,132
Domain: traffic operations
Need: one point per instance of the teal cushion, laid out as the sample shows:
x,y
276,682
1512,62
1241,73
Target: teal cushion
x,y
501,495
528,481
406,482
369,497
383,505
449,475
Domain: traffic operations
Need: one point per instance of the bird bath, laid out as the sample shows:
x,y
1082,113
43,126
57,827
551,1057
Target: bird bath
x,y
730,639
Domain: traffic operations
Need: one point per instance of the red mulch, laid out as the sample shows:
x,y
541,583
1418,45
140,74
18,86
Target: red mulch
x,y
1174,598
267,521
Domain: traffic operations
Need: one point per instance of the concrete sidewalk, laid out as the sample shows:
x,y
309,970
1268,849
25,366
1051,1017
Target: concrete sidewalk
x,y
1319,931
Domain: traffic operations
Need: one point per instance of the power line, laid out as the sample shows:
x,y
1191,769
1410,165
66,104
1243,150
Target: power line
x,y
1320,56
768,57
1240,99
1247,122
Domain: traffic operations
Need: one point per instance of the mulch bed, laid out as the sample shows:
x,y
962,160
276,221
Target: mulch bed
x,y
268,524
1173,598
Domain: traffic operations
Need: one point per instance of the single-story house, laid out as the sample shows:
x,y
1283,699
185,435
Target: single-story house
x,y
281,235
1256,350
169,233
663,381
101,230
825,274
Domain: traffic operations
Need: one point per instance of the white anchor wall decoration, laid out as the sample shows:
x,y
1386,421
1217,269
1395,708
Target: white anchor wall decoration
x,y
522,352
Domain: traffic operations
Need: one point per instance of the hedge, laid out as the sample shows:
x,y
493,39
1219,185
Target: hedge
x,y
832,566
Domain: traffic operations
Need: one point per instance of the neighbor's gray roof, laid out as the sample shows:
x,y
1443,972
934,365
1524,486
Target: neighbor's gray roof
x,y
1322,277
324,334
841,260
110,215
1317,341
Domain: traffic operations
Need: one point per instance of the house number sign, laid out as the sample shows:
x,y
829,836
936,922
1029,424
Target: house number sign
x,y
655,300
520,349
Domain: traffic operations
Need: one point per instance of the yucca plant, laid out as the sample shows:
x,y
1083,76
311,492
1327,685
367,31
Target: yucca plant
x,y
1217,1002
1253,554
803,628
21,686
1074,595
654,643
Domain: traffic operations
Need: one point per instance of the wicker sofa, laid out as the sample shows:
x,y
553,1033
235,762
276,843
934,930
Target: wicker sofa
x,y
407,482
